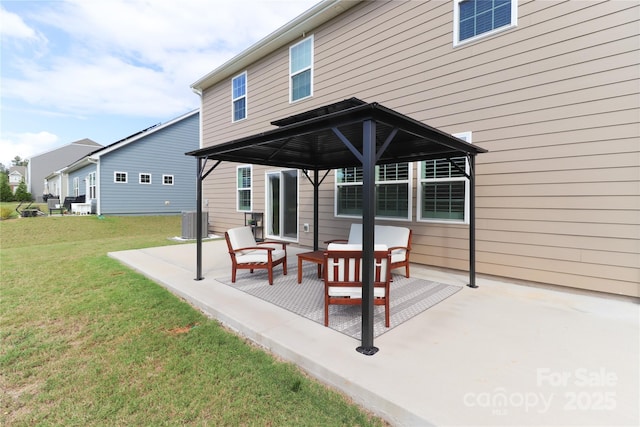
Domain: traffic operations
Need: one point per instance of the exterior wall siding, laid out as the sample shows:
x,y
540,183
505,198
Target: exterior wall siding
x,y
81,174
43,165
555,100
160,153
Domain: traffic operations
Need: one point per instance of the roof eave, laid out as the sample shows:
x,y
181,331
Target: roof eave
x,y
300,26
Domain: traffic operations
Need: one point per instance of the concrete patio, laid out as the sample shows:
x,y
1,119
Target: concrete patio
x,y
502,354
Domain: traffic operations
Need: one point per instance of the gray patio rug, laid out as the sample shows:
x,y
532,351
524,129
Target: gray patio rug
x,y
409,297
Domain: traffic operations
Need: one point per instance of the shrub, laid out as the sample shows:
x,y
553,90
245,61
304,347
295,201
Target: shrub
x,y
5,212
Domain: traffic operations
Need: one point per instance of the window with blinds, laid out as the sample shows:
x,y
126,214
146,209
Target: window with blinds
x,y
393,191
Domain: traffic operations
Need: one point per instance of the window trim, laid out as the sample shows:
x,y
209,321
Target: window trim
x,y
245,96
309,67
465,136
91,184
408,182
164,177
124,174
250,188
456,24
76,186
141,174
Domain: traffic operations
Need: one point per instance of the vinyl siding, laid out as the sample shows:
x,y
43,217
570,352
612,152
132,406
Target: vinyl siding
x,y
43,165
81,174
159,153
555,100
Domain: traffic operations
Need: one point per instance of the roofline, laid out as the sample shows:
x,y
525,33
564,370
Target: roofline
x,y
94,156
78,164
97,154
78,142
300,26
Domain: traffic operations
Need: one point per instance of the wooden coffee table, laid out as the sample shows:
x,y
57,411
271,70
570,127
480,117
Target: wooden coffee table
x,y
316,257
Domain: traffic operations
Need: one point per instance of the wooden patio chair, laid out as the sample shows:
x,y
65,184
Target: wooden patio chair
x,y
397,239
343,277
248,254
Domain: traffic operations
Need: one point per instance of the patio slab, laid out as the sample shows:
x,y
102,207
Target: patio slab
x,y
502,354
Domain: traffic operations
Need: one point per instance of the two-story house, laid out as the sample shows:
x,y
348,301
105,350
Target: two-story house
x,y
17,174
550,89
42,165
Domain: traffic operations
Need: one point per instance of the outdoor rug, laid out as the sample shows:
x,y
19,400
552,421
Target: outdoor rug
x,y
409,297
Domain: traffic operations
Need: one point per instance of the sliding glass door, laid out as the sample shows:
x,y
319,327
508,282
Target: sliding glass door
x,y
282,204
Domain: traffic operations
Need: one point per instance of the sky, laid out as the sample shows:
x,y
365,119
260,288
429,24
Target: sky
x,y
106,69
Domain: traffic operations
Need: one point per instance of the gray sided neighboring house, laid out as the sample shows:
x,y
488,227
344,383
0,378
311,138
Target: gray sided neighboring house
x,y
42,165
144,174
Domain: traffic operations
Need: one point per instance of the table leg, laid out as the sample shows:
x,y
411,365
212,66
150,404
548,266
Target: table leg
x,y
299,270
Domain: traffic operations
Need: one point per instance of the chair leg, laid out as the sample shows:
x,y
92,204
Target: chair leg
x,y
270,270
233,274
407,272
386,313
326,313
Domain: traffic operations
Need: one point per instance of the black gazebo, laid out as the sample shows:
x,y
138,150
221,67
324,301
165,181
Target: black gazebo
x,y
345,134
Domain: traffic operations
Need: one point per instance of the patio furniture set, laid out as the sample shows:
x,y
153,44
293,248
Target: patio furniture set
x,y
339,265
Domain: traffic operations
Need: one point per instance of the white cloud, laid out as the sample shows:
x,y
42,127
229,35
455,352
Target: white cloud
x,y
70,66
136,57
14,26
26,145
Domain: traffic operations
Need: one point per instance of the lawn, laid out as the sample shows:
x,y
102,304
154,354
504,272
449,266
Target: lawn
x,y
8,209
85,341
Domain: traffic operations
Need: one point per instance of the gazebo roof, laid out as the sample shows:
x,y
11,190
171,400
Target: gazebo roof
x,y
345,134
315,139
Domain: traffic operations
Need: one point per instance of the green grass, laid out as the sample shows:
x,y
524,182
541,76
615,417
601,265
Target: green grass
x,y
85,341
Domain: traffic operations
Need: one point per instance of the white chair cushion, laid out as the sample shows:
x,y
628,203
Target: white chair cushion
x,y
259,256
355,234
388,235
398,255
241,237
392,236
353,292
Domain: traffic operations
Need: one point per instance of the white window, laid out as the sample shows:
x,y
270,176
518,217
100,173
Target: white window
x,y
120,177
443,188
244,192
239,97
76,186
473,19
167,179
145,178
91,183
393,191
301,70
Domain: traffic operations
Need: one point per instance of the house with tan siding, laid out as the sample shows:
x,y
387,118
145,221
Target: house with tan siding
x,y
550,89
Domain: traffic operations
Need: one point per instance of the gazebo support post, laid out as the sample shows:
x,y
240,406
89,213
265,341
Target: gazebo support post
x,y
368,230
316,185
199,178
472,222
200,166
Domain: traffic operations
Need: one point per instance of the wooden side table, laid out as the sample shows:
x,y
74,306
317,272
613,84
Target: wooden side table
x,y
316,257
